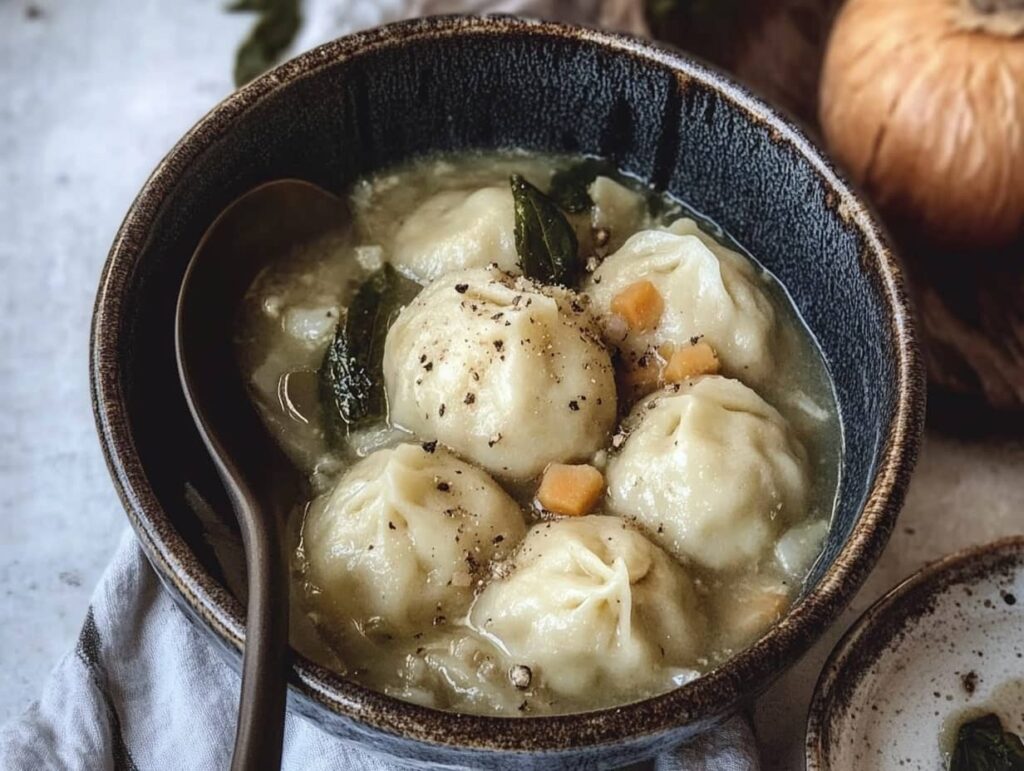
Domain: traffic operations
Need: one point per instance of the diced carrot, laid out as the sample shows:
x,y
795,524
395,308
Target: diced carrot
x,y
570,490
640,304
691,361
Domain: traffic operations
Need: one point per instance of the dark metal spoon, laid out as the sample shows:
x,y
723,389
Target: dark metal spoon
x,y
262,226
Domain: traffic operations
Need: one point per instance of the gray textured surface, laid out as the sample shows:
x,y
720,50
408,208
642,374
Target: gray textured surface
x,y
91,95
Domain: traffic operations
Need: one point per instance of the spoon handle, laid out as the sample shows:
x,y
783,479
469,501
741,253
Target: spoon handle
x,y
261,710
264,486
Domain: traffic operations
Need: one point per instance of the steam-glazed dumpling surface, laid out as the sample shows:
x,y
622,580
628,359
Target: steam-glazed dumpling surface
x,y
457,229
591,607
403,538
617,210
708,290
510,374
711,471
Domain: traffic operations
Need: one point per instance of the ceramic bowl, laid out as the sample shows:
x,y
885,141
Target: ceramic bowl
x,y
364,101
943,647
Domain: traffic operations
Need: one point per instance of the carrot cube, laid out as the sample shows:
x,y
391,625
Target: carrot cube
x,y
691,361
640,304
570,490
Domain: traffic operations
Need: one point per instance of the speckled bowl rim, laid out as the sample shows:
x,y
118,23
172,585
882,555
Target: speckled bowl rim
x,y
700,702
843,671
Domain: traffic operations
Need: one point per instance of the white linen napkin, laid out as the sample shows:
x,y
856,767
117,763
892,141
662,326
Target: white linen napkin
x,y
145,689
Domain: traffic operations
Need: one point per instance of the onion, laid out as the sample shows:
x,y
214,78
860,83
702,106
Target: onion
x,y
923,103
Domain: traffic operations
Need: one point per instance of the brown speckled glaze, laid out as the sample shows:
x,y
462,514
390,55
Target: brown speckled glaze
x,y
944,645
454,83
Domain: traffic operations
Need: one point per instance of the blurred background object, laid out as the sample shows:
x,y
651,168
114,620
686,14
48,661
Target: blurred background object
x,y
923,104
283,28
774,46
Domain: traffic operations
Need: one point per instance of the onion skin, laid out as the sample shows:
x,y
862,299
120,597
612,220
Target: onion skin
x,y
922,101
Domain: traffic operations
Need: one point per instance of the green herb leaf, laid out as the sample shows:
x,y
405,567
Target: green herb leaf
x,y
352,376
545,241
273,32
983,745
569,186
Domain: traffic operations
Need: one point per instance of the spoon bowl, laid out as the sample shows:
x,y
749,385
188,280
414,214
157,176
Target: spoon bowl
x,y
262,484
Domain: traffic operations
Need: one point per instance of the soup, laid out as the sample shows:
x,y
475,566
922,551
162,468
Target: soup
x,y
568,445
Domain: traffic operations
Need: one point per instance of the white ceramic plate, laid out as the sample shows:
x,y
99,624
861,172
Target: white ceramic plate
x,y
944,646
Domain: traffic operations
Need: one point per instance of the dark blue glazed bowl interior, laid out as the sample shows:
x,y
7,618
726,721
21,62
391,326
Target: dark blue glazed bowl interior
x,y
365,102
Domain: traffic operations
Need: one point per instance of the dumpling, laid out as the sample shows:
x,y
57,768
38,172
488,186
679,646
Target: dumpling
x,y
400,543
457,229
594,611
711,471
800,546
456,670
617,209
509,374
708,291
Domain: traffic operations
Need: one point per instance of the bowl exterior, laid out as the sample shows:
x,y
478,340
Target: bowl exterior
x,y
460,83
